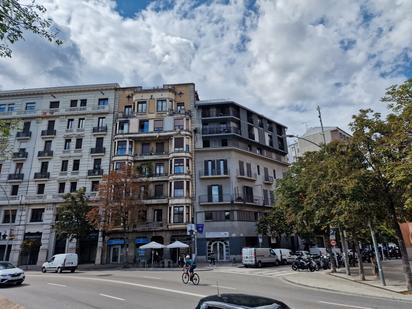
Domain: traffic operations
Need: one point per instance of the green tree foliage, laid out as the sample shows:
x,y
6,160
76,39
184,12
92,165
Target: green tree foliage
x,y
16,18
72,216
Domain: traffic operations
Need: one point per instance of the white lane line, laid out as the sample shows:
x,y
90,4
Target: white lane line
x,y
112,297
223,287
344,305
56,284
149,277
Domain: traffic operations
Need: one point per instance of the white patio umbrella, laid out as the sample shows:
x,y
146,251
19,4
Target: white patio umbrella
x,y
152,245
177,245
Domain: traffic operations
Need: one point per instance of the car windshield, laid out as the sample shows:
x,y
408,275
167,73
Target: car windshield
x,y
6,265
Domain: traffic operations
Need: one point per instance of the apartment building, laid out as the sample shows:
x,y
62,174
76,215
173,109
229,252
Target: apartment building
x,y
153,133
63,143
239,154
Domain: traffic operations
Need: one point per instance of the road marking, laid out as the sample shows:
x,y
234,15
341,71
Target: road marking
x,y
223,287
56,284
148,277
343,305
112,297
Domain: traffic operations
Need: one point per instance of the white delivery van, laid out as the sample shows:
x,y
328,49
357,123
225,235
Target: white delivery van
x,y
285,255
259,257
318,251
60,262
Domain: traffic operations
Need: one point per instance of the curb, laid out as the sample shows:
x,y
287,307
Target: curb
x,y
343,293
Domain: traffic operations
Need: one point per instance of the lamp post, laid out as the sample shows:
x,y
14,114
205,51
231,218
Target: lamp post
x,y
8,236
305,139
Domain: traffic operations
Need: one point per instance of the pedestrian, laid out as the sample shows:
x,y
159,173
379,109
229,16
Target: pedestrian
x,y
181,260
212,258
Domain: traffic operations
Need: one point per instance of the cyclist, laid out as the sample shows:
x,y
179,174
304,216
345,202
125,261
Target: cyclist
x,y
190,266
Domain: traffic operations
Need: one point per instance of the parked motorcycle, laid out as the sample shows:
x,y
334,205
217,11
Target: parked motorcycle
x,y
301,263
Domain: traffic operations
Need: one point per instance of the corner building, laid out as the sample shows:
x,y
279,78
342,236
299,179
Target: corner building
x,y
239,155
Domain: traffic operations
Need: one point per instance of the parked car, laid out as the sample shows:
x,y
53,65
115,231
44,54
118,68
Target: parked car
x,y
10,274
285,255
61,262
236,301
259,257
318,251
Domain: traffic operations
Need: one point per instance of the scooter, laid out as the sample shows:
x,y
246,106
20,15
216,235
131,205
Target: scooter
x,y
301,263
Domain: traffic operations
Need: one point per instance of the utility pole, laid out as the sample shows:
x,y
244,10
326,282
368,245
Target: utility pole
x,y
321,124
377,257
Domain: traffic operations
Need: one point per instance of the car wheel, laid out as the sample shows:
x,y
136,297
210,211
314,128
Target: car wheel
x,y
294,267
259,264
43,269
19,282
73,270
59,270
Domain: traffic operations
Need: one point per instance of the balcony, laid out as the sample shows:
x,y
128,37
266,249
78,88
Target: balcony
x,y
45,154
95,172
151,155
213,199
98,151
23,135
222,114
156,199
16,177
214,174
48,133
20,155
100,130
123,115
220,130
152,175
248,199
268,180
247,176
42,175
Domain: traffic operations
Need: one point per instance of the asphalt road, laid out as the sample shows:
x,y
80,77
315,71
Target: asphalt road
x,y
163,289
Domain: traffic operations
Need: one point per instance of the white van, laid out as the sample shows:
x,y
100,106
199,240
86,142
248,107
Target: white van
x,y
60,262
259,257
285,255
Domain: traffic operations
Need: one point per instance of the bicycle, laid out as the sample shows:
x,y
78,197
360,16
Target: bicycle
x,y
186,277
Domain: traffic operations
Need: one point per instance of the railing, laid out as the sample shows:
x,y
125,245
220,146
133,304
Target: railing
x,y
145,154
17,176
213,172
101,129
48,132
268,179
45,153
20,155
126,114
42,175
220,130
95,172
251,176
209,114
100,150
23,134
248,199
233,199
222,198
151,175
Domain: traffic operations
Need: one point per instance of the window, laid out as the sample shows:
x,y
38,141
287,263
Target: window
x,y
103,102
178,214
249,170
62,186
7,213
180,107
14,190
80,123
44,167
97,164
2,108
121,148
10,107
159,191
179,143
19,168
160,148
73,186
69,124
258,151
79,142
30,106
76,165
159,169
83,102
118,166
218,215
161,106
65,164
179,124
123,126
26,126
50,125
47,145
248,194
54,104
215,193
145,148
40,188
265,197
224,143
95,186
274,174
157,215
67,144
179,167
142,107
258,169
266,173
178,189
73,103
222,167
37,215
158,125
241,168
206,143
144,126
209,166
99,142
101,122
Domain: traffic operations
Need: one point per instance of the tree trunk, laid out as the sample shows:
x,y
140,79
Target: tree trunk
x,y
358,253
405,258
345,251
126,246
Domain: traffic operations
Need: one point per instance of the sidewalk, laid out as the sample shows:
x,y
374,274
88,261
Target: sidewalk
x,y
325,281
6,304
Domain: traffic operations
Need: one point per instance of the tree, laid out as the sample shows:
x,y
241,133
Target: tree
x,y
6,128
16,18
120,205
72,217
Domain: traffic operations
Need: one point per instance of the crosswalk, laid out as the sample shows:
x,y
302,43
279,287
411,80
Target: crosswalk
x,y
260,272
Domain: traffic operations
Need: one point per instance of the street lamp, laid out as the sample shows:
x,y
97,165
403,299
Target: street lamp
x,y
8,236
305,139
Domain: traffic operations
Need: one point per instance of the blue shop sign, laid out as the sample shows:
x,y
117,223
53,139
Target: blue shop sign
x,y
112,242
200,228
141,240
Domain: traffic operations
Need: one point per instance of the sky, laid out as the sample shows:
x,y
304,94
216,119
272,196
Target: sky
x,y
281,58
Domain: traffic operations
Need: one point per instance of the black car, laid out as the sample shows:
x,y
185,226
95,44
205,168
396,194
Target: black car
x,y
239,301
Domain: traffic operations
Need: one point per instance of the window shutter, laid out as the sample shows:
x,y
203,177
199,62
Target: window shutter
x,y
220,193
209,193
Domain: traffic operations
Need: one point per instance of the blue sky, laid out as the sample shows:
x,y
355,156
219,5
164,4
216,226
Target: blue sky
x,y
281,58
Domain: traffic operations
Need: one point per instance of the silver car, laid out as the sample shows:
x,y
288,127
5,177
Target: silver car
x,y
10,274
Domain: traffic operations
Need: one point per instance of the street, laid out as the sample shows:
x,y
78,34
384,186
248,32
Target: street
x,y
164,289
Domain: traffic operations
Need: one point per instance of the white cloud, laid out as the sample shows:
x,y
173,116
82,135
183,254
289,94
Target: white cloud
x,y
282,59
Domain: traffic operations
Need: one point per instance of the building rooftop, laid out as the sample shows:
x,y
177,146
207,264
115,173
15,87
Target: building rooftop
x,y
318,130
